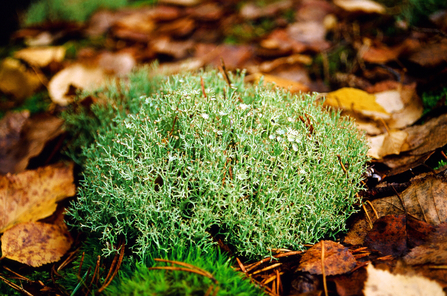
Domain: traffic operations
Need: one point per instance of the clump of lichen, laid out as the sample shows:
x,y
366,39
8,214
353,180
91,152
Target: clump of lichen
x,y
260,168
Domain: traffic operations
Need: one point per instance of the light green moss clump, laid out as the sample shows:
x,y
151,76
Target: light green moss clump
x,y
260,168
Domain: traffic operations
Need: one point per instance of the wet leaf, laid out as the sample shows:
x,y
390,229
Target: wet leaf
x,y
36,243
337,259
23,137
78,76
32,195
351,284
433,250
388,235
381,282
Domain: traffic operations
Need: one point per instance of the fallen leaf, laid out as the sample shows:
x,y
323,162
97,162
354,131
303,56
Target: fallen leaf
x,y
23,137
292,86
337,259
420,139
358,100
351,284
381,282
78,76
36,243
32,195
41,56
181,2
433,250
430,55
116,63
311,33
388,235
386,144
15,79
424,199
367,6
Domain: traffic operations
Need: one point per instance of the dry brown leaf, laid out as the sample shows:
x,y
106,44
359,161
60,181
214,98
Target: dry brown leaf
x,y
311,33
423,200
420,137
381,282
32,195
367,6
15,79
22,139
36,243
386,144
41,56
116,63
337,259
181,2
430,55
78,76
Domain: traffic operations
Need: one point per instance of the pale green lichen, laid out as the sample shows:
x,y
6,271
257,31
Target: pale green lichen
x,y
259,168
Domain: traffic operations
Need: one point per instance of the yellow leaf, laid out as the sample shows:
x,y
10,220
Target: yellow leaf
x,y
357,100
32,195
15,79
36,243
41,56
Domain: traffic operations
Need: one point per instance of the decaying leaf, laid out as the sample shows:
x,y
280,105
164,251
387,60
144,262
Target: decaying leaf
x,y
78,76
36,243
388,235
433,250
15,79
32,195
337,259
381,282
41,56
367,6
423,200
22,137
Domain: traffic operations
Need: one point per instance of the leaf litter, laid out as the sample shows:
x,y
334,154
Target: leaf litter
x,y
404,218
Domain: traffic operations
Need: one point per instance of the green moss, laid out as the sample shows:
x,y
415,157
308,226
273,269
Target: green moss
x,y
431,99
63,10
173,167
137,279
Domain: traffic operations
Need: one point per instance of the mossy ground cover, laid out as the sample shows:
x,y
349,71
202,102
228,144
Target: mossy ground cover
x,y
173,163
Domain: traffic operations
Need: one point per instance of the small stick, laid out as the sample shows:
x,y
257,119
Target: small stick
x,y
183,269
341,163
224,72
118,265
203,87
268,268
241,265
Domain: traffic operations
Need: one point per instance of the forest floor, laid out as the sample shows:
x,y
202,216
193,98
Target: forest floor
x,y
384,67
